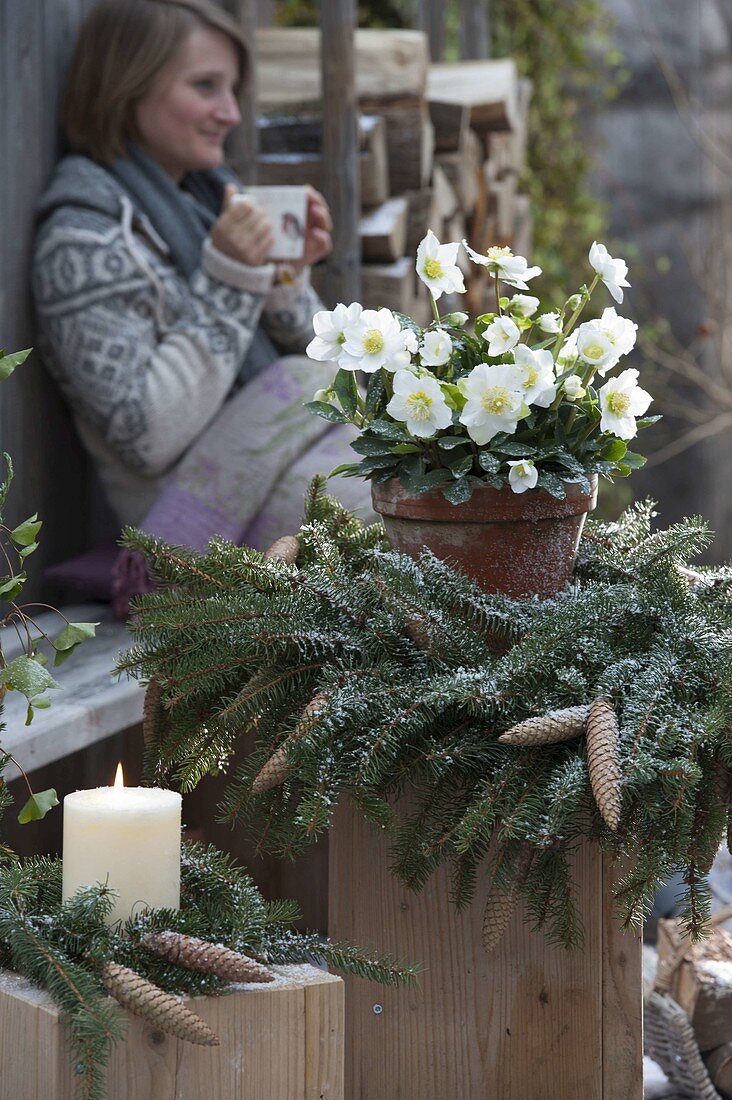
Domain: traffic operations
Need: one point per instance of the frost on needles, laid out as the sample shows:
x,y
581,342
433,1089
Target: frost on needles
x,y
416,674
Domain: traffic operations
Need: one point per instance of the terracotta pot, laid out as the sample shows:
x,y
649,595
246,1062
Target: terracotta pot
x,y
518,544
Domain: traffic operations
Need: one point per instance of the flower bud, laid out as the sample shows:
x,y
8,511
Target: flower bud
x,y
573,388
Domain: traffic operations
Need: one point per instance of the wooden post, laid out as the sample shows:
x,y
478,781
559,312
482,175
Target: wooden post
x,y
527,1022
340,149
432,22
244,142
281,1041
474,30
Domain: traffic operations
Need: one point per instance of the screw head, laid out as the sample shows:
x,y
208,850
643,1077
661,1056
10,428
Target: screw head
x,y
378,1009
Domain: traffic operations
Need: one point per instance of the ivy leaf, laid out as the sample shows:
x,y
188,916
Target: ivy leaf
x,y
635,461
614,450
28,676
346,390
27,550
70,637
38,806
8,363
26,532
10,587
328,412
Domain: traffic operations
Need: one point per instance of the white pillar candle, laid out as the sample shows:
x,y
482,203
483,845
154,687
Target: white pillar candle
x,y
128,837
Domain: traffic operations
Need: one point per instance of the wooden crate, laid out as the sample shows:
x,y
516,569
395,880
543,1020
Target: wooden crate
x,y
527,1022
282,1041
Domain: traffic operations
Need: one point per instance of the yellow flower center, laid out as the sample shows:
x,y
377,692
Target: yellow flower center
x,y
373,342
419,405
618,402
433,269
531,378
499,252
593,351
496,400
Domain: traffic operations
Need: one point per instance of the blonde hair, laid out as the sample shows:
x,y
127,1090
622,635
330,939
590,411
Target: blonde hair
x,y
122,46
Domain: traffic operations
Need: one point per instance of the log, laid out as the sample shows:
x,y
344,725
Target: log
x,y
383,230
502,202
410,141
390,285
282,1041
464,171
523,229
389,64
489,89
422,215
446,200
508,148
719,1068
702,984
451,122
291,154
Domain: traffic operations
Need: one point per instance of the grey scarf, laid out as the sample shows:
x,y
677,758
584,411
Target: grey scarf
x,y
183,216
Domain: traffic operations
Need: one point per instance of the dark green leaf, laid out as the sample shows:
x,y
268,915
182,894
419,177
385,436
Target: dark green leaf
x,y
552,484
328,412
635,461
346,390
389,429
12,586
489,462
375,395
614,450
458,492
38,806
447,442
368,445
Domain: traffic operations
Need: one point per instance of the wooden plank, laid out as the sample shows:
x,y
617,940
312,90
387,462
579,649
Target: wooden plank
x,y
432,22
282,1041
488,88
388,64
622,998
383,230
242,145
524,1022
35,43
340,150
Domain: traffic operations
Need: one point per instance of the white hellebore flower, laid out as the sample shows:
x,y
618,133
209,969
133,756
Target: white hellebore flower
x,y
329,331
501,335
594,347
523,306
612,272
436,348
502,264
621,400
620,331
573,388
373,341
536,372
411,343
436,266
550,323
568,355
495,401
327,396
523,475
418,400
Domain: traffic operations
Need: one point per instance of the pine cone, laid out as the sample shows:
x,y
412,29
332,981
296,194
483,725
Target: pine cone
x,y
501,903
277,768
152,710
285,549
546,729
210,958
417,632
162,1009
603,760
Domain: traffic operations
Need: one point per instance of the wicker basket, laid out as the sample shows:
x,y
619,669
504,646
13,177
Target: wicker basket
x,y
668,1035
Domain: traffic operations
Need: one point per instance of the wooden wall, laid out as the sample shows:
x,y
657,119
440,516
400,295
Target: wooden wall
x,y
52,475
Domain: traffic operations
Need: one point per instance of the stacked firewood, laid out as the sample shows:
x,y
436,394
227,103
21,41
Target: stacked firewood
x,y
701,985
441,147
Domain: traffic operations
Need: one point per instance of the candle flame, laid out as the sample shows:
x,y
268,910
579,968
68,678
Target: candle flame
x,y
119,779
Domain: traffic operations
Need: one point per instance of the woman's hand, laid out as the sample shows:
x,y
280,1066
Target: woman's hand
x,y
243,230
318,242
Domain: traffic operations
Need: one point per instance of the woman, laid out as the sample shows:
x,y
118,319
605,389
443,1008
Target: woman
x,y
158,312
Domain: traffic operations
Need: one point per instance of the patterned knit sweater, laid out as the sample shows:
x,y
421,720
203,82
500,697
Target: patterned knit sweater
x,y
145,357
